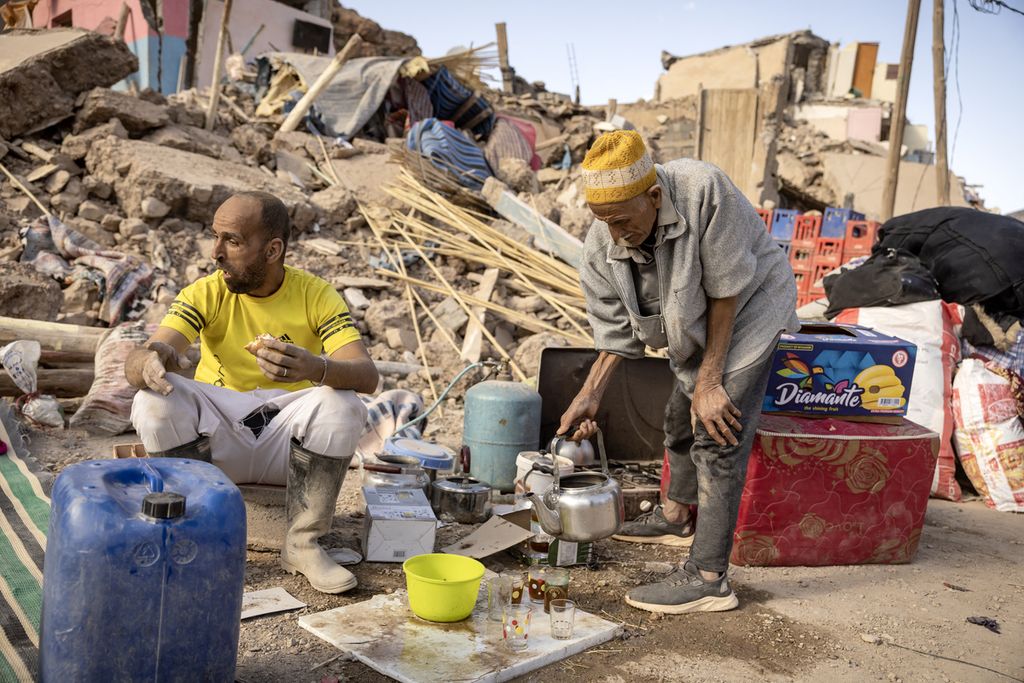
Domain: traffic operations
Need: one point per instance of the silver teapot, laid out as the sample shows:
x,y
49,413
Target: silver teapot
x,y
581,507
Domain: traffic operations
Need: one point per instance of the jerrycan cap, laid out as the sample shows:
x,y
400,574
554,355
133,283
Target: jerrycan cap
x,y
164,505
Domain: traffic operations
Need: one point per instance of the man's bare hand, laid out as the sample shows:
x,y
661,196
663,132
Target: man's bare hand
x,y
151,364
581,412
281,362
713,407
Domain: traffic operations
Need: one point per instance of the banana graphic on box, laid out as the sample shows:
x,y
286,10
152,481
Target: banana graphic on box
x,y
880,383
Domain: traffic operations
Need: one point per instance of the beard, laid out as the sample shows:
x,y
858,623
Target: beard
x,y
247,280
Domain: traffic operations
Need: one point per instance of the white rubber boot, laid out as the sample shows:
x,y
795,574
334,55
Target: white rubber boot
x,y
314,481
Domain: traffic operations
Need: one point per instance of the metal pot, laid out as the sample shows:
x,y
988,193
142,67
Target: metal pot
x,y
461,499
396,472
581,507
581,453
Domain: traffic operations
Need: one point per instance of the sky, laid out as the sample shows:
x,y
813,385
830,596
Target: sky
x,y
618,48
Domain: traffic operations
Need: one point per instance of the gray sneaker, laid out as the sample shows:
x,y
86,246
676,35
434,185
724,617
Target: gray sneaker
x,y
652,527
684,591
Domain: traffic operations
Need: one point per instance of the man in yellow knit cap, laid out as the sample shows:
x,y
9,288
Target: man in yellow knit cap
x,y
677,258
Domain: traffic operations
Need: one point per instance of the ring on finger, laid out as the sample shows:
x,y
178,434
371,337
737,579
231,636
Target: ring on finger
x,y
285,373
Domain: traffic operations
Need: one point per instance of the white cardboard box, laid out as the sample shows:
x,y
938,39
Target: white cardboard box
x,y
399,524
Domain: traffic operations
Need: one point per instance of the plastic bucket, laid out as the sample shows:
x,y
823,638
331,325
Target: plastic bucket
x,y
534,480
442,587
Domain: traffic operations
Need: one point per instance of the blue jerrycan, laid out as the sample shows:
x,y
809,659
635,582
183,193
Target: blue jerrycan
x,y
143,574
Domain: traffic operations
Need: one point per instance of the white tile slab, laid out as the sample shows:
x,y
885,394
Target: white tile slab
x,y
386,636
268,601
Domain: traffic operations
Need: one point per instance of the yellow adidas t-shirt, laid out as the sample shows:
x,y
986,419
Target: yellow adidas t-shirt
x,y
306,311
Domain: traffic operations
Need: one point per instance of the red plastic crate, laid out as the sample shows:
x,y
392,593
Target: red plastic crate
x,y
801,259
803,281
804,299
860,237
766,216
806,231
829,252
817,274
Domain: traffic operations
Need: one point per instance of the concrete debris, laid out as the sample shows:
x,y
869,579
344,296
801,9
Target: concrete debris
x,y
45,73
336,204
76,146
154,208
26,293
193,139
136,114
527,356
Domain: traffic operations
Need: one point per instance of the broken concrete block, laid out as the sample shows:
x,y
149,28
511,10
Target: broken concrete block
x,y
385,314
26,293
44,71
518,175
193,139
662,118
93,230
138,116
450,315
67,202
130,227
137,170
41,173
185,115
154,208
336,204
111,222
22,206
527,356
97,188
77,146
296,142
58,181
91,211
80,297
550,175
401,339
252,141
355,298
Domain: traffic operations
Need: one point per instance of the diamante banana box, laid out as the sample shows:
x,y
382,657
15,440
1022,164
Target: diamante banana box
x,y
845,371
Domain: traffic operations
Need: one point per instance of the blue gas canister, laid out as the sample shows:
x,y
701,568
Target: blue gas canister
x,y
144,572
502,419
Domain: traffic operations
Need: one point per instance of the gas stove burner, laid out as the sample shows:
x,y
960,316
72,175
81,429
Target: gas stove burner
x,y
432,456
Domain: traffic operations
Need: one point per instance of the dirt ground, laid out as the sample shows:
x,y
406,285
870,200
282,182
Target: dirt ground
x,y
793,624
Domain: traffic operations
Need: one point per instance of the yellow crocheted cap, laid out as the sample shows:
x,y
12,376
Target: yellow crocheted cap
x,y
617,168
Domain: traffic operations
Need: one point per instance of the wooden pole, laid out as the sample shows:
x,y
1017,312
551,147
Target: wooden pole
x,y
218,64
122,21
613,109
507,75
899,114
62,382
55,336
292,122
939,70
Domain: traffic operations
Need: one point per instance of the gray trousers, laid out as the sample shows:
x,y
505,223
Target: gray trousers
x,y
712,476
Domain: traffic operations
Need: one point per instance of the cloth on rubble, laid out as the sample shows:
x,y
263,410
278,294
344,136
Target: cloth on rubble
x,y
26,509
1012,359
455,102
982,329
354,95
507,142
384,414
451,151
617,167
51,247
990,433
933,326
107,407
416,99
529,133
974,256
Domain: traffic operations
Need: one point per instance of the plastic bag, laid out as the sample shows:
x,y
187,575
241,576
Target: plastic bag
x,y
20,359
934,327
989,435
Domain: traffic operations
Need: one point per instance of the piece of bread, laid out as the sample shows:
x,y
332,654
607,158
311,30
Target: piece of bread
x,y
257,343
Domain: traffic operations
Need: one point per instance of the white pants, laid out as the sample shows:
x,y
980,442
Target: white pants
x,y
324,420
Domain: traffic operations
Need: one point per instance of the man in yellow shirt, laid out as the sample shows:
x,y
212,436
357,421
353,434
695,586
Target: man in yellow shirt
x,y
283,411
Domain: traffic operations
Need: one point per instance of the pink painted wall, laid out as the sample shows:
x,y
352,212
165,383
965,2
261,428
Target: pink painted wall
x,y
864,123
101,15
98,15
278,21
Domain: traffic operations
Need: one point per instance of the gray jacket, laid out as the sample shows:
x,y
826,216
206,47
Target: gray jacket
x,y
710,243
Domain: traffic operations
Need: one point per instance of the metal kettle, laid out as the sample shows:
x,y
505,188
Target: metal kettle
x,y
581,453
581,507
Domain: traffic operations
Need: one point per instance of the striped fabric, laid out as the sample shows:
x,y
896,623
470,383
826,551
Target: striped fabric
x,y
452,102
417,99
24,517
506,142
450,151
